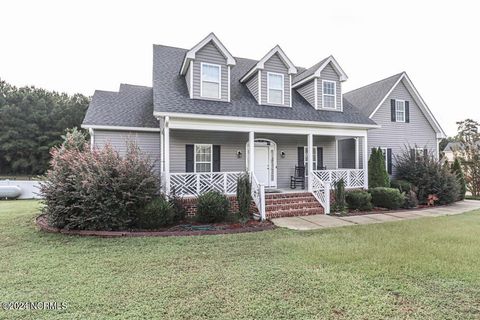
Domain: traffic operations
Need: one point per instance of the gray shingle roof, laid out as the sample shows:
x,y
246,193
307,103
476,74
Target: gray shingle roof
x,y
132,106
170,94
308,72
368,97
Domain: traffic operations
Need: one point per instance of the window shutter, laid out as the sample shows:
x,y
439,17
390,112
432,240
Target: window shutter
x,y
300,157
407,111
425,153
319,158
392,105
189,161
216,158
389,161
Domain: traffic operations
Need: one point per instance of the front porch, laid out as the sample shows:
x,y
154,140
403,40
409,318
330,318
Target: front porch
x,y
194,161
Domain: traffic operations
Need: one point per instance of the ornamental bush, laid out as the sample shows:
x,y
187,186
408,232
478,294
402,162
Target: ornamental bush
x,y
339,194
212,206
244,194
389,198
156,214
359,200
377,173
458,172
402,185
429,176
96,189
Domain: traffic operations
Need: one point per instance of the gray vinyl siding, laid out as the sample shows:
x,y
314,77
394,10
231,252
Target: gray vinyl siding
x,y
210,54
148,142
275,64
187,78
398,135
252,85
328,73
231,142
307,91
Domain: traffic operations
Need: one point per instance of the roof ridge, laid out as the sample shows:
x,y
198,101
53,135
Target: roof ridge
x,y
375,82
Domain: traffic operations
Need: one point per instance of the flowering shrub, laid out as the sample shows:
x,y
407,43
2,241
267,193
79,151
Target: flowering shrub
x,y
96,189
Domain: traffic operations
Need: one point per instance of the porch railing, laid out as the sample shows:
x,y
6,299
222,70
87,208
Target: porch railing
x,y
258,195
353,178
194,184
321,191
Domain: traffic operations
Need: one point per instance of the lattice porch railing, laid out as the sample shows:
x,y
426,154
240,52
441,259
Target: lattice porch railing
x,y
194,184
353,178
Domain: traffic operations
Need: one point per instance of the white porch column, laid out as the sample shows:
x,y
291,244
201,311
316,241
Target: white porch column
x,y
161,149
166,146
357,154
310,161
365,161
251,151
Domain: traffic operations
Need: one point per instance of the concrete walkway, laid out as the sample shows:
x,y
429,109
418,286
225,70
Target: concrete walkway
x,y
326,221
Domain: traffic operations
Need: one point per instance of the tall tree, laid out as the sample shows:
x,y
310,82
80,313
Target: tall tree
x,y
32,121
469,154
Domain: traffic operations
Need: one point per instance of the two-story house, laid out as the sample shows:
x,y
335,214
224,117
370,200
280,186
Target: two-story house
x,y
210,117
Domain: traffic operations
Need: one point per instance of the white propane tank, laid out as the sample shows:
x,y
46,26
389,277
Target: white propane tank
x,y
10,192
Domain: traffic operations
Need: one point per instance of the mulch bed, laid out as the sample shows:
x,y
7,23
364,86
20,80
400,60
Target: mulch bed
x,y
175,231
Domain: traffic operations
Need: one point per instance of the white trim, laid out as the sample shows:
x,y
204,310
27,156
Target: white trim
x,y
310,162
166,147
190,55
259,86
336,153
315,83
268,87
219,80
273,145
290,86
261,63
195,156
317,73
422,104
120,128
315,152
228,83
92,138
334,94
299,123
251,153
357,153
404,111
191,80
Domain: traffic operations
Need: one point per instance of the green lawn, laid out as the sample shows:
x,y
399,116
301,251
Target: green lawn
x,y
426,269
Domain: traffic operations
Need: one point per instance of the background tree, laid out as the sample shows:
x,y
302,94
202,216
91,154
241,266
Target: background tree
x,y
458,172
377,172
32,121
469,154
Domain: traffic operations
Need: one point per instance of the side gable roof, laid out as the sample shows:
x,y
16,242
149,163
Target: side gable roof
x,y
370,98
261,63
190,55
315,70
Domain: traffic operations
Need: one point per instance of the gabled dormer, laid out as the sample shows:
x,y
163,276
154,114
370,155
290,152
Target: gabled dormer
x,y
321,85
270,79
206,68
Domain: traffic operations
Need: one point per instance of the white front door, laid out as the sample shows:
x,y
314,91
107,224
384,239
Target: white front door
x,y
261,167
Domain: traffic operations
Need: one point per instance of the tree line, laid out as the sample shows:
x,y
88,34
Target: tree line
x,y
32,121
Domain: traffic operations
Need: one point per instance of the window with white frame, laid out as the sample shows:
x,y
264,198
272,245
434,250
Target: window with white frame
x,y
328,94
305,158
385,156
400,110
210,81
203,158
275,88
419,152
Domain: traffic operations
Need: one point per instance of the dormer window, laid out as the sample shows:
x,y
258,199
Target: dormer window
x,y
210,81
328,94
275,88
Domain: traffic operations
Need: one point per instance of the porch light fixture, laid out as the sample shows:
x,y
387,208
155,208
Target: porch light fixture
x,y
282,154
239,154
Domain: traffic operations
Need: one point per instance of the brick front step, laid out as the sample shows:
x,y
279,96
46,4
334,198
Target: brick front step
x,y
291,205
294,213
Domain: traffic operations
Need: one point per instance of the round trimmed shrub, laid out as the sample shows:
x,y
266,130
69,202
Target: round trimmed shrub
x,y
402,185
157,214
359,200
212,207
389,198
411,200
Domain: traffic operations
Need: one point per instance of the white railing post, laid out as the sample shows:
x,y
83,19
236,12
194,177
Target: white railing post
x,y
327,198
225,183
262,202
310,161
348,178
197,177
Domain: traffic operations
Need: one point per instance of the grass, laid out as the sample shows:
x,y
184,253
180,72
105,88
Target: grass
x,y
418,269
472,197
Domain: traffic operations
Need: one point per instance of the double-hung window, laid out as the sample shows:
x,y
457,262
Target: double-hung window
x,y
400,110
275,88
305,158
203,158
210,81
328,94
